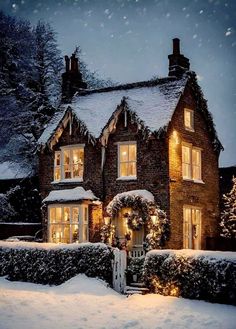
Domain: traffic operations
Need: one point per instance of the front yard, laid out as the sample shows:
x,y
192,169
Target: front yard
x,y
87,303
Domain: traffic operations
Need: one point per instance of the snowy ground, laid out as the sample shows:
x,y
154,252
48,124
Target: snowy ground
x,y
87,303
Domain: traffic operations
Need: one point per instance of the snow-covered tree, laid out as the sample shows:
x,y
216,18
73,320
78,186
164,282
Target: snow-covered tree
x,y
228,215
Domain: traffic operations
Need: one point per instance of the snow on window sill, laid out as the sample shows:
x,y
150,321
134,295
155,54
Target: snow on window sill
x,y
126,178
198,181
68,180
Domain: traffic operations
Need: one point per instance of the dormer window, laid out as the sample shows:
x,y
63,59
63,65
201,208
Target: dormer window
x,y
188,119
69,163
127,160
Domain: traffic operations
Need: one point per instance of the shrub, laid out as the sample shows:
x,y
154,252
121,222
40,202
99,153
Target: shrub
x,y
52,264
203,275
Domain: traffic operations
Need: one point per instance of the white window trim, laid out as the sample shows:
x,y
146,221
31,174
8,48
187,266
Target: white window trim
x,y
192,118
63,179
124,178
190,179
82,210
200,226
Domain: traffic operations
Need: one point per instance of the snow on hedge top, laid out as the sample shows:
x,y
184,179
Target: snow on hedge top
x,y
213,255
13,170
37,245
74,194
153,102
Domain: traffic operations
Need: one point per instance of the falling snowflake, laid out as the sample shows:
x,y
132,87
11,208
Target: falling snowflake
x,y
228,32
200,12
194,36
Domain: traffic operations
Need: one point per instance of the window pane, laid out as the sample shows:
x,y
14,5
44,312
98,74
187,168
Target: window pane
x,y
75,214
85,232
66,214
57,158
66,157
56,233
196,158
67,171
52,212
58,215
132,152
132,169
65,234
75,233
124,153
187,118
124,169
57,173
78,162
186,165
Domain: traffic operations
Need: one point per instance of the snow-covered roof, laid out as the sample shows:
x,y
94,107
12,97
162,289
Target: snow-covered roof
x,y
13,170
153,102
75,194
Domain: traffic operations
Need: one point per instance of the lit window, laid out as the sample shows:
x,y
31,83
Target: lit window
x,y
69,163
127,160
191,163
188,119
192,227
68,224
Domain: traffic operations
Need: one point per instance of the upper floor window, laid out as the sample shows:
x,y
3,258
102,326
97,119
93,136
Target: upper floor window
x,y
127,160
191,162
69,163
188,119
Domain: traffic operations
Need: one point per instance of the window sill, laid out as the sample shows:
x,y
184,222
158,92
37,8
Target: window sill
x,y
68,181
193,180
126,178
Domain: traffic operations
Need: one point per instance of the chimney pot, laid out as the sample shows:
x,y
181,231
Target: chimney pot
x,y
176,46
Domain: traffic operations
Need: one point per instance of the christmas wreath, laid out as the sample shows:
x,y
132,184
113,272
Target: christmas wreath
x,y
134,221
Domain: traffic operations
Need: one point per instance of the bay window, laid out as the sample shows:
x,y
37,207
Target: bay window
x,y
69,163
68,223
127,160
191,162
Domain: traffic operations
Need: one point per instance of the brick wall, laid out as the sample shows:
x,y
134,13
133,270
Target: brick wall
x,y
184,192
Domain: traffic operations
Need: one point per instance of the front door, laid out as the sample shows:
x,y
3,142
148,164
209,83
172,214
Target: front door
x,y
192,227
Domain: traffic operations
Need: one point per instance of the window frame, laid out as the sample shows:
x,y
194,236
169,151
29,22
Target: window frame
x,y
188,236
191,128
82,210
191,164
130,177
62,150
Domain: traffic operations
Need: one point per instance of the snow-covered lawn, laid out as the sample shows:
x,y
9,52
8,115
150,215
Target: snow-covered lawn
x,y
87,303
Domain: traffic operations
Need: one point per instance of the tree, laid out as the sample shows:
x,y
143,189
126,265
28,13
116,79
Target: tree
x,y
228,215
91,78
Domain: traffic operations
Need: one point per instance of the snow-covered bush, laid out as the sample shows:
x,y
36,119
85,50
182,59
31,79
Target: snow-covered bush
x,y
228,215
6,210
54,264
192,274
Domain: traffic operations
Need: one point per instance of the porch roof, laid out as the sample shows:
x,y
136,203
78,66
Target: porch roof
x,y
74,194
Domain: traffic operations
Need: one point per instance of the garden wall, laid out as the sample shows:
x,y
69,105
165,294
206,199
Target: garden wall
x,y
207,275
54,264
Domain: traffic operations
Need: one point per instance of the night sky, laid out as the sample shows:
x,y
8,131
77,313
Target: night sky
x,y
129,40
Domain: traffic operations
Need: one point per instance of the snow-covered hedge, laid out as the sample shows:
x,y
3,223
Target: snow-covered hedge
x,y
54,264
207,275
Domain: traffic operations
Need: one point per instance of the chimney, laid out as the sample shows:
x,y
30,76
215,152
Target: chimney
x,y
72,78
178,63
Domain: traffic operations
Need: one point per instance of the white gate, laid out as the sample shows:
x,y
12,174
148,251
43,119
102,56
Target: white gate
x,y
119,270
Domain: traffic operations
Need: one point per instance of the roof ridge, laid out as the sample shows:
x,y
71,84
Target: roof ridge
x,y
126,86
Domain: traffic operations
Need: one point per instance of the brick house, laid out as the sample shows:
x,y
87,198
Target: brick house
x,y
109,152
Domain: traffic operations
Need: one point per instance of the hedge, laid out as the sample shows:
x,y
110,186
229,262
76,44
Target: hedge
x,y
210,276
54,264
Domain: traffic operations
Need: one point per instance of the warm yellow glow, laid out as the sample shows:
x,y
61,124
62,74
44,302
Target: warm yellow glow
x,y
176,137
107,220
154,219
